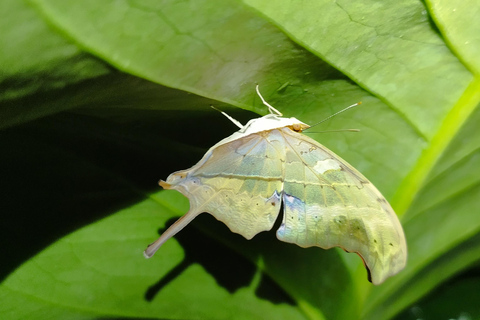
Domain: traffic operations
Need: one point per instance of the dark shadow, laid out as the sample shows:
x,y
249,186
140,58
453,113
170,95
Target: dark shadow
x,y
213,256
271,291
230,269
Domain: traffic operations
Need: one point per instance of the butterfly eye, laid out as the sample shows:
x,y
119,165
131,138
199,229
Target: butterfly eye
x,y
297,127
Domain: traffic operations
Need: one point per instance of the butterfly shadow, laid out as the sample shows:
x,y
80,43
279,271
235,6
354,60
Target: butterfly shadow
x,y
230,269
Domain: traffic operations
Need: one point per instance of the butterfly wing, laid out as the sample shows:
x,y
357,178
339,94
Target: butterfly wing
x,y
328,203
238,182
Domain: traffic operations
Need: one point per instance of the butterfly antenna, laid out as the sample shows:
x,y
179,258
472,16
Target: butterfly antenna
x,y
236,122
270,108
336,114
328,131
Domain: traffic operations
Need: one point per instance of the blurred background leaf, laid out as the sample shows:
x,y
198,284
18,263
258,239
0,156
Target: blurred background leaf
x,y
99,100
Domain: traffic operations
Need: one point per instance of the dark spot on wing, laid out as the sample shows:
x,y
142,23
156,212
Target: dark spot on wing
x,y
340,219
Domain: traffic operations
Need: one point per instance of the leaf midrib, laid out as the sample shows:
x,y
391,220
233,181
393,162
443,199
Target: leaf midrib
x,y
448,130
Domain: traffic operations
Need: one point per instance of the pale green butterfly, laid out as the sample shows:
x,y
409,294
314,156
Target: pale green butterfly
x,y
243,180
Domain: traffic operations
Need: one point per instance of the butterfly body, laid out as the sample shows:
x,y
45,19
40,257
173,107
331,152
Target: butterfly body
x,y
243,180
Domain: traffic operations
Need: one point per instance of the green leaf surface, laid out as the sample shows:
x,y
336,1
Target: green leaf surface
x,y
84,145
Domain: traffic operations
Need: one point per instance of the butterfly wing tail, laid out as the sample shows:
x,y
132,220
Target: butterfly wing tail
x,y
170,232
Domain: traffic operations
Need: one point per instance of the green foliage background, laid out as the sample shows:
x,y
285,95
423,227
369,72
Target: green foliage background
x,y
100,99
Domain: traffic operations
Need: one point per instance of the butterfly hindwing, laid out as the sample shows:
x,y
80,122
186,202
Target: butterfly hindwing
x,y
238,182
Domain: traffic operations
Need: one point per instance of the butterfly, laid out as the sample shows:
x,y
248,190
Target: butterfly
x,y
244,179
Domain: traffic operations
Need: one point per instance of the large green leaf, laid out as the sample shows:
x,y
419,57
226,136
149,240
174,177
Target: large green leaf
x,y
84,146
